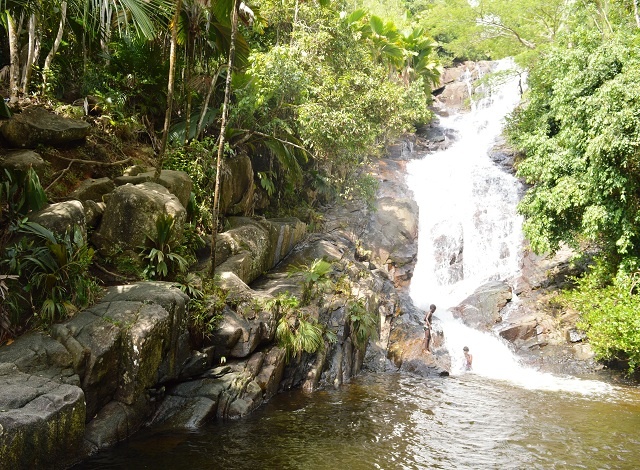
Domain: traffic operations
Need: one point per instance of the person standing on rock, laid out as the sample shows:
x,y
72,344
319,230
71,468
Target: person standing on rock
x,y
468,359
428,318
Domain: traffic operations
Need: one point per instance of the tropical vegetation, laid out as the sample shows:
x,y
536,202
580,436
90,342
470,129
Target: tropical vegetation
x,y
311,91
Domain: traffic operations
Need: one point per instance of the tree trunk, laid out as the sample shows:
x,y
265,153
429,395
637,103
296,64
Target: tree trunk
x,y
635,12
56,45
205,105
223,129
170,88
189,61
14,55
32,47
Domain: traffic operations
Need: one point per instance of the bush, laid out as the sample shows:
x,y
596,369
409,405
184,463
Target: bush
x,y
46,276
295,332
364,324
609,316
159,256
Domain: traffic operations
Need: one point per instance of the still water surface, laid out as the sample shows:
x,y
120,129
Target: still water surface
x,y
392,421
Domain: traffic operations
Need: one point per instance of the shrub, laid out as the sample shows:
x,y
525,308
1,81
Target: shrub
x,y
296,332
47,275
315,278
609,316
364,324
159,256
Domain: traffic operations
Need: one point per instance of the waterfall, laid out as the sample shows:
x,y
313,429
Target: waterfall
x,y
470,233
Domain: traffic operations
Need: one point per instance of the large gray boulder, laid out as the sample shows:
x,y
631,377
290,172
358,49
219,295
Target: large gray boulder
x,y
238,336
22,160
41,421
131,215
126,343
237,186
177,182
93,189
229,391
481,310
62,217
254,245
36,126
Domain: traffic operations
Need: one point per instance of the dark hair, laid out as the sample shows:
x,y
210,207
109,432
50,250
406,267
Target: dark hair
x,y
465,348
432,307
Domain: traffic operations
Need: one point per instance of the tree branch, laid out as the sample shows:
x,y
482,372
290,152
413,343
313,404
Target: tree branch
x,y
511,31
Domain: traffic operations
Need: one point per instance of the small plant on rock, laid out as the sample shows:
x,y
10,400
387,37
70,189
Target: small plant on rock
x,y
315,278
296,332
206,304
364,324
159,256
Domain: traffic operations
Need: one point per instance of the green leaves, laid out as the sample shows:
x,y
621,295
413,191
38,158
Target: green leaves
x,y
159,256
610,316
580,131
315,278
296,332
364,323
49,273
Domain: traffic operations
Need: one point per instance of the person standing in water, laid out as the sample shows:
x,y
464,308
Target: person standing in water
x,y
468,359
428,318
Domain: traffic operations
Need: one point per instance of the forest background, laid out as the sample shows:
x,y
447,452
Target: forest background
x,y
311,91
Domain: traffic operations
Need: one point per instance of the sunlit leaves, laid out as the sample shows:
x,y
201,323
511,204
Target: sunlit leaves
x,y
610,316
580,131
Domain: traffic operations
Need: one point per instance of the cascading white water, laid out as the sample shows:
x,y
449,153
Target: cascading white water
x,y
470,233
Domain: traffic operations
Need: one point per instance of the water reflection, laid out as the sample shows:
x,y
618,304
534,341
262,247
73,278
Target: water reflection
x,y
405,422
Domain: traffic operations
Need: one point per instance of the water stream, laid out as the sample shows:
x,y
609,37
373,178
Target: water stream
x,y
499,416
470,233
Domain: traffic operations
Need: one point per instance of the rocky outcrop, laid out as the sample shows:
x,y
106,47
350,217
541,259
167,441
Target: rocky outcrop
x,y
109,356
41,420
131,214
481,310
237,187
38,126
93,189
177,183
255,245
389,233
456,85
123,363
43,409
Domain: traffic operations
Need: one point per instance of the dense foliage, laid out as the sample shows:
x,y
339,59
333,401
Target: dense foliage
x,y
610,316
579,130
315,90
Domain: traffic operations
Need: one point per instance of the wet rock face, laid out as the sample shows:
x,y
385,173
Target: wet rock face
x,y
38,126
455,88
481,310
